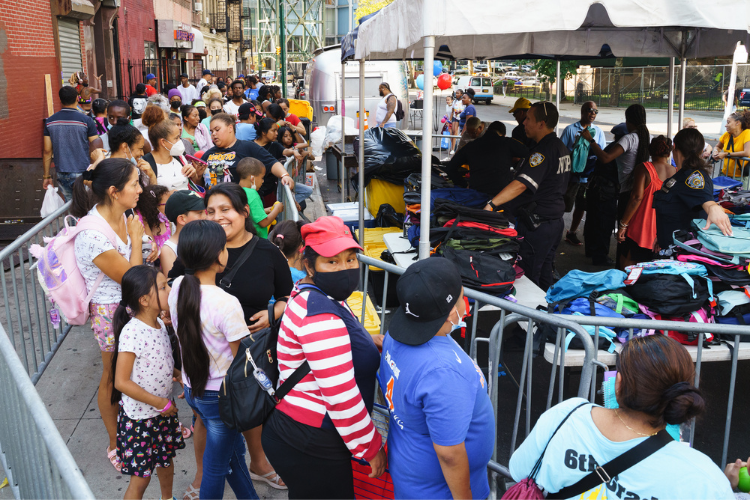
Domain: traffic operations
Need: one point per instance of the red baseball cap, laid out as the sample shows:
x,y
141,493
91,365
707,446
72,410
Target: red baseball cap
x,y
328,236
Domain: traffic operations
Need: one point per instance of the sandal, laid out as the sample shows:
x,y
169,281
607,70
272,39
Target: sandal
x,y
192,493
186,431
114,459
273,483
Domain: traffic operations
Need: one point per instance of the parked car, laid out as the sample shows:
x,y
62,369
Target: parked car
x,y
526,68
481,67
482,86
512,67
529,81
744,99
511,74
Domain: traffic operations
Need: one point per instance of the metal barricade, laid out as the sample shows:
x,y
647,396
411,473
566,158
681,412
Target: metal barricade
x,y
30,331
285,194
36,460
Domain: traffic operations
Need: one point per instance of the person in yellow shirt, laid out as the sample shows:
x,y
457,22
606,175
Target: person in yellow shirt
x,y
734,144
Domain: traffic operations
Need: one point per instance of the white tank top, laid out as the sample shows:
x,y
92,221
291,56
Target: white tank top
x,y
171,245
383,110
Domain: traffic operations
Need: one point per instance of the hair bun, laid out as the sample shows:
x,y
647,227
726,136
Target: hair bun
x,y
683,401
122,121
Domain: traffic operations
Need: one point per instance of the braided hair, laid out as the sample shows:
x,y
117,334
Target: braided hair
x,y
636,116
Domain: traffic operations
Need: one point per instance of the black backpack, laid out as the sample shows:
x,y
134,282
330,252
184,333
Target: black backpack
x,y
399,110
243,403
483,272
669,294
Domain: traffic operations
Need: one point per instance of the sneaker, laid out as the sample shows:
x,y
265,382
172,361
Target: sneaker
x,y
572,238
453,151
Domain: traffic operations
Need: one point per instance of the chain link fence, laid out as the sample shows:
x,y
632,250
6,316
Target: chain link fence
x,y
649,86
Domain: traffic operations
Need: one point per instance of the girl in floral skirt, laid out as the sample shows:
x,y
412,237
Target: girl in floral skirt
x,y
148,431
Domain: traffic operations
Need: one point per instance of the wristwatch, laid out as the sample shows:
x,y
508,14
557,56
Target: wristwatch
x,y
494,207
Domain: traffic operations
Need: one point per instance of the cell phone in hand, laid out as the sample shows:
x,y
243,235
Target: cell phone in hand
x,y
195,159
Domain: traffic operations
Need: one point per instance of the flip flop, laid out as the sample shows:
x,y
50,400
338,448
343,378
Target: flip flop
x,y
273,483
192,493
186,431
114,460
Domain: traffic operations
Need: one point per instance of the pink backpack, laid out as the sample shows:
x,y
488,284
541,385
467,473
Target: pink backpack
x,y
58,271
699,316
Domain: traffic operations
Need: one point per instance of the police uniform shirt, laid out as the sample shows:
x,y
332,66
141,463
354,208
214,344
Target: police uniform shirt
x,y
519,134
679,201
545,173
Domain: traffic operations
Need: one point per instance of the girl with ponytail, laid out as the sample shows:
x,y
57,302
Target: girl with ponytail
x,y
209,324
688,194
148,431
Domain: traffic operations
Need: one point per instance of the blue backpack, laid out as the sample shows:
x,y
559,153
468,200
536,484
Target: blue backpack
x,y
581,284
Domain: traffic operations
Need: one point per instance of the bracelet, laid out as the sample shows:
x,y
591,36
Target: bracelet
x,y
622,224
46,177
286,175
168,406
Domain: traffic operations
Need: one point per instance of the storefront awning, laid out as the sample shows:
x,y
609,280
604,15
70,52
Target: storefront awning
x,y
198,45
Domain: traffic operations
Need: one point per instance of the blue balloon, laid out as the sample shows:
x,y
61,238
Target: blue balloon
x,y
437,68
420,82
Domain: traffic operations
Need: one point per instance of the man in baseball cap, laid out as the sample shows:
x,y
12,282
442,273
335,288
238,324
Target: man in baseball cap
x,y
187,90
519,110
206,80
150,84
248,115
436,394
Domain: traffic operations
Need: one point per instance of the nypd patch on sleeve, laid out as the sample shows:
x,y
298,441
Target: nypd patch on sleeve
x,y
695,181
536,159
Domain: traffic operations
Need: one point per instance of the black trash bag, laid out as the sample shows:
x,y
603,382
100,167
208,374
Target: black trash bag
x,y
389,155
414,182
388,217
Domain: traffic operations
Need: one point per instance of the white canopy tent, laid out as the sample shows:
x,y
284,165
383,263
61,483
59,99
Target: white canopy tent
x,y
487,29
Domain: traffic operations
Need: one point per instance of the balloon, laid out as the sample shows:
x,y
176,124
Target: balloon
x,y
437,68
444,81
443,119
420,82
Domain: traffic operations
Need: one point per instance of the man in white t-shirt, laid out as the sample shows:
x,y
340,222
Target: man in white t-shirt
x,y
206,80
187,90
238,92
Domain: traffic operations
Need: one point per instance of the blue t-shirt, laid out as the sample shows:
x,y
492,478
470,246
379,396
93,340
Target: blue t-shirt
x,y
467,113
674,472
245,132
69,131
251,94
436,394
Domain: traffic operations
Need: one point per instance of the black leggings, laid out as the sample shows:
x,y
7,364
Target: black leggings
x,y
307,475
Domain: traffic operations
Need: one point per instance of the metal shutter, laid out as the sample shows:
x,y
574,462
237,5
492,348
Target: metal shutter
x,y
70,47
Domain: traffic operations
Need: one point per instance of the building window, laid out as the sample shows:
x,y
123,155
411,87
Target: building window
x,y
149,50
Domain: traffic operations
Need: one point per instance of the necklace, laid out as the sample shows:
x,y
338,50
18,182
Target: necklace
x,y
630,428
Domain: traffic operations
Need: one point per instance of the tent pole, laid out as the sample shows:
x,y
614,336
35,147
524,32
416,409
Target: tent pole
x,y
342,174
361,166
424,234
557,97
670,111
683,72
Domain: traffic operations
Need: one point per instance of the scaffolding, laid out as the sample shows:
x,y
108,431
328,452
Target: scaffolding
x,y
302,25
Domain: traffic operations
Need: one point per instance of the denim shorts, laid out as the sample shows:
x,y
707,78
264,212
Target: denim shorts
x,y
65,181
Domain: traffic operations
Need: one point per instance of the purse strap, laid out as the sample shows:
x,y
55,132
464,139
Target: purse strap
x,y
605,473
293,379
226,280
538,464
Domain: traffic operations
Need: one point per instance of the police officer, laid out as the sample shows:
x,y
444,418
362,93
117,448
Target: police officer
x,y
537,193
688,194
519,111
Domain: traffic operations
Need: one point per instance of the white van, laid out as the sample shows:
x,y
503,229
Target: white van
x,y
482,86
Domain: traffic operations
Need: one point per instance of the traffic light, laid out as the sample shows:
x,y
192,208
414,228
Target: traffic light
x,y
278,50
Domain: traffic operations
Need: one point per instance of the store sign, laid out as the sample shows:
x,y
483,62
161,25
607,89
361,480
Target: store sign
x,y
184,35
174,34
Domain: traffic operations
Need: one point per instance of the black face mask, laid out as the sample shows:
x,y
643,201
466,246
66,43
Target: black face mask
x,y
202,114
338,284
215,111
176,104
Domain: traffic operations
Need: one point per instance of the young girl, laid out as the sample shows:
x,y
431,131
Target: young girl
x,y
288,139
148,432
209,324
150,211
287,236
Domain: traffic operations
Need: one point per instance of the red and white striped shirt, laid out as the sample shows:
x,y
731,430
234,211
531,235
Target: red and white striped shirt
x,y
330,386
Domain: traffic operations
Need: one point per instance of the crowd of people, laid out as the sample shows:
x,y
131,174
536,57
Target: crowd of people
x,y
189,257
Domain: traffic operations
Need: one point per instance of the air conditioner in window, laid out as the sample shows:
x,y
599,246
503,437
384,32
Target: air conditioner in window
x,y
198,7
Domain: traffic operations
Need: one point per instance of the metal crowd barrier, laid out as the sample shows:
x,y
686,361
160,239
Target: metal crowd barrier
x,y
31,333
285,194
36,460
512,314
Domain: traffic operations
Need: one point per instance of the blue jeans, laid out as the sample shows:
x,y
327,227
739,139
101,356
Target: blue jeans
x,y
390,124
65,181
224,457
302,192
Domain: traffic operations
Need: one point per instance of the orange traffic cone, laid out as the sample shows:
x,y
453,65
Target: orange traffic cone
x,y
367,115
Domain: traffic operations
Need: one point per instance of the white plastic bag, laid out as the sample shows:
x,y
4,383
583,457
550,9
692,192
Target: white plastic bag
x,y
333,130
52,201
316,141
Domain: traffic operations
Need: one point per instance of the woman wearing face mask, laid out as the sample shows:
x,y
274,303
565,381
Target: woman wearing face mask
x,y
194,130
215,106
175,100
127,142
436,390
311,445
166,158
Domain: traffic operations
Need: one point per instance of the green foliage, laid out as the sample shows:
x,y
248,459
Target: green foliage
x,y
546,69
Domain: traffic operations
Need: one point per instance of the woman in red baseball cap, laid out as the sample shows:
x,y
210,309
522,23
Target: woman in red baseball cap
x,y
325,419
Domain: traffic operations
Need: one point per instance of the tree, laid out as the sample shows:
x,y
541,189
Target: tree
x,y
546,70
366,7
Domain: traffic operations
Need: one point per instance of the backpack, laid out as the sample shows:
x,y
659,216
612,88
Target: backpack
x,y
445,210
248,392
670,295
581,284
483,272
687,244
733,308
690,338
58,273
687,270
399,110
713,239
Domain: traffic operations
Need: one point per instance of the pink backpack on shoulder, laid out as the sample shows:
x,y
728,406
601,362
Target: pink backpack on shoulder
x,y
58,273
